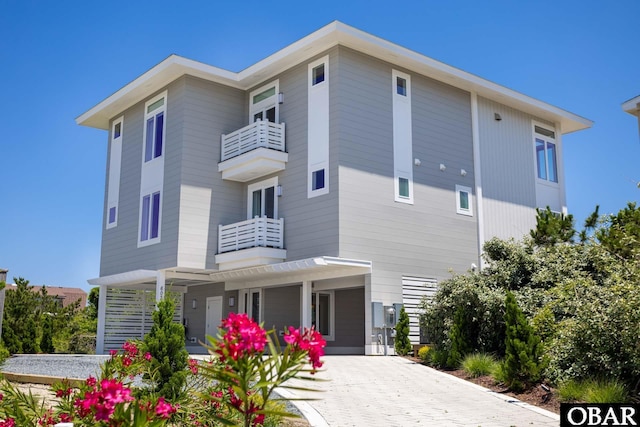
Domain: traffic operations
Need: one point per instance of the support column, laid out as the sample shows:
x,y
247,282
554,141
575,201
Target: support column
x,y
306,304
368,328
161,279
102,311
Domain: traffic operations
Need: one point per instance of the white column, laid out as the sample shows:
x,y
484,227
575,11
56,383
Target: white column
x,y
102,310
306,304
368,329
161,278
477,168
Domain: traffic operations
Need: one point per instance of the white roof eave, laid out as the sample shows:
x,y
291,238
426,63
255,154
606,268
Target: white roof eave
x,y
632,106
336,33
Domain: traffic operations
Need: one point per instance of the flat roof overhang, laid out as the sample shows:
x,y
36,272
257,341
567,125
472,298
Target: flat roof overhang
x,y
632,106
333,34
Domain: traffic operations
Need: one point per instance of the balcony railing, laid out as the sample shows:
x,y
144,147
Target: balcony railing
x,y
252,233
261,133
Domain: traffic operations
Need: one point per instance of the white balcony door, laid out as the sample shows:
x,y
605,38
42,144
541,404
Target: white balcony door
x,y
263,103
262,199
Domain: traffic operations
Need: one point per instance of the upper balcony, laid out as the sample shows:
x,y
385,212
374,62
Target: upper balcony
x,y
256,241
254,151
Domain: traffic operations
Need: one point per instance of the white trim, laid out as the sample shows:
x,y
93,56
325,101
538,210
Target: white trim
x,y
477,173
150,240
402,137
632,106
247,306
335,33
265,103
113,180
459,209
547,139
318,127
262,185
332,315
102,310
128,278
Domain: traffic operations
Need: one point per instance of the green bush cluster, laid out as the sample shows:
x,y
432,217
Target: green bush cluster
x,y
579,298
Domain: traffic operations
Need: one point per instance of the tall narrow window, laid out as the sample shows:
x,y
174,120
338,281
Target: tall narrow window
x,y
150,217
546,158
262,200
115,160
322,313
402,137
263,103
318,128
154,129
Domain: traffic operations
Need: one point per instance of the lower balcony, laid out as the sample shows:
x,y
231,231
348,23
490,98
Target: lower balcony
x,y
250,243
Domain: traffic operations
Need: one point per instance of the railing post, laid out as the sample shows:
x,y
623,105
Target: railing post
x,y
281,233
220,238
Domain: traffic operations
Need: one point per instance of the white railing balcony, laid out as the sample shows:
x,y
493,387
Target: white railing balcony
x,y
260,134
256,241
253,151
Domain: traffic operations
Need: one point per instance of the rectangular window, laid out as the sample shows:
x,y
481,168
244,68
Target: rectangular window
x,y
322,313
403,187
154,129
546,156
117,130
318,180
150,217
463,200
401,86
112,215
317,75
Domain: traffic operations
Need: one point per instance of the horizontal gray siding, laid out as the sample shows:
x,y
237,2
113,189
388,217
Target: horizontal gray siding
x,y
196,318
281,308
508,170
428,237
349,318
119,245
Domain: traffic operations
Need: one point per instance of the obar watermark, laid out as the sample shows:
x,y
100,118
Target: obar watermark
x,y
602,414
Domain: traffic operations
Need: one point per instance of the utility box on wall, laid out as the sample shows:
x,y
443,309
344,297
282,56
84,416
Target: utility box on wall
x,y
377,314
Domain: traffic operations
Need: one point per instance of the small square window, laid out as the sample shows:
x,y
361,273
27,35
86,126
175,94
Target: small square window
x,y
112,215
117,130
401,86
317,75
464,200
403,187
317,182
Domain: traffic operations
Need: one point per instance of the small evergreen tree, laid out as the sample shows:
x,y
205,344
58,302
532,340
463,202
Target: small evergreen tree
x,y
523,355
166,344
402,344
461,341
21,317
552,228
46,342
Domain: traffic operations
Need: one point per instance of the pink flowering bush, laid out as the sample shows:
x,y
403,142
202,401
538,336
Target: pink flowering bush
x,y
233,387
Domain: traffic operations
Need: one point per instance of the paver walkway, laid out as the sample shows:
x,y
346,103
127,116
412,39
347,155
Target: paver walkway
x,y
367,391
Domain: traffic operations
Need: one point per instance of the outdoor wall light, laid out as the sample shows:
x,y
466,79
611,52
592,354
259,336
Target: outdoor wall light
x,y
463,172
497,116
194,304
279,190
417,162
280,97
232,301
442,167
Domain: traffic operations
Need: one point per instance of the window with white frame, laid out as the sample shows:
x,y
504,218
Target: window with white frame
x,y
262,200
402,137
154,129
322,313
150,211
264,103
546,154
318,128
463,200
115,160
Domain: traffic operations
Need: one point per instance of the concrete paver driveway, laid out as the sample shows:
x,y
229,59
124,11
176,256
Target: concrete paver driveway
x,y
368,391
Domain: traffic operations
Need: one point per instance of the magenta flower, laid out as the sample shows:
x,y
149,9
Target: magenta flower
x,y
310,341
164,409
243,337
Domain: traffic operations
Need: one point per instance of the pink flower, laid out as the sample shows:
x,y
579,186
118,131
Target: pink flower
x,y
9,422
193,366
310,341
147,356
164,409
91,381
243,337
130,348
113,353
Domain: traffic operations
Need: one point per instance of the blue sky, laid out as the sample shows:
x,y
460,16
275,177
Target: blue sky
x,y
59,59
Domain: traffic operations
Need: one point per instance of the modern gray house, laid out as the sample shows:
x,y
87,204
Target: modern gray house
x,y
327,185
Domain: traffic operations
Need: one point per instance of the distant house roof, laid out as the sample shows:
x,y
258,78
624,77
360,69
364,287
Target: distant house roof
x,y
632,106
336,33
64,294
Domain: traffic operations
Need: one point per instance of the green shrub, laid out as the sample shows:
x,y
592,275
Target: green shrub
x,y
166,344
4,353
402,343
572,391
462,335
607,391
523,355
424,353
479,364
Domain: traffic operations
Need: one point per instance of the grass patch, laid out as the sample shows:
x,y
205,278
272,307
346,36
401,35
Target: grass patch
x,y
593,391
479,364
